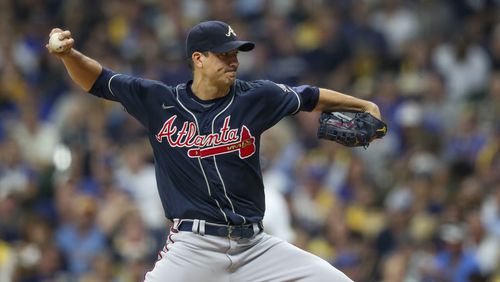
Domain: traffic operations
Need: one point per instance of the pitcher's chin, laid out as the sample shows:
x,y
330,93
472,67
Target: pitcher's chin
x,y
230,77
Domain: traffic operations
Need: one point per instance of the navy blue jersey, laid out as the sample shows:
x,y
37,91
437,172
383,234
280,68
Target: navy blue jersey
x,y
207,152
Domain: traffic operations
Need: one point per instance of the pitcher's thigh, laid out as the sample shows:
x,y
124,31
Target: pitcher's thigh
x,y
186,260
277,260
174,269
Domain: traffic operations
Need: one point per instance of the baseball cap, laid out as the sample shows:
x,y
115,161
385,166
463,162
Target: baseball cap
x,y
214,36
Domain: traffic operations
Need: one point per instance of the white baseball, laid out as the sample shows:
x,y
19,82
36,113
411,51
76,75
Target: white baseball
x,y
55,44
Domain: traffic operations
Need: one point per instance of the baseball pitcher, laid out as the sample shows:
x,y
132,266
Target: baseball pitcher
x,y
205,135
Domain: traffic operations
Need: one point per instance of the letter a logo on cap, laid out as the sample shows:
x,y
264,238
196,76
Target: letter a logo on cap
x,y
230,31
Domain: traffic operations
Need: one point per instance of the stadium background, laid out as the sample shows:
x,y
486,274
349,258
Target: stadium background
x,y
77,192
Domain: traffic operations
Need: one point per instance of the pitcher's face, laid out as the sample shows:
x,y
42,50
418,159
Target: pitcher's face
x,y
221,68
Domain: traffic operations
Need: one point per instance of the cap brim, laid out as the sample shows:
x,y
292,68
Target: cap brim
x,y
229,46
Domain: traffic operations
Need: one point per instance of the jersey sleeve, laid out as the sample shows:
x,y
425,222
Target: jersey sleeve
x,y
132,92
279,100
309,96
289,100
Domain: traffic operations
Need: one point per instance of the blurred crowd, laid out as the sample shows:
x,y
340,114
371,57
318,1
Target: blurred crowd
x,y
78,199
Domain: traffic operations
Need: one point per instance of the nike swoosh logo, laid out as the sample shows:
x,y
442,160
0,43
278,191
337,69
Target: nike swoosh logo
x,y
165,107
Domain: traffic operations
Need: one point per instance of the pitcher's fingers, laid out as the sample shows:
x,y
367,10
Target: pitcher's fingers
x,y
66,34
68,43
55,30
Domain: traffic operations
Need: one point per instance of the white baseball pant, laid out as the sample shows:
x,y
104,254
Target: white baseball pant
x,y
190,256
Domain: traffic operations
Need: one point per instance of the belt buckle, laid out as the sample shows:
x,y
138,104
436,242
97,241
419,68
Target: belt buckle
x,y
230,230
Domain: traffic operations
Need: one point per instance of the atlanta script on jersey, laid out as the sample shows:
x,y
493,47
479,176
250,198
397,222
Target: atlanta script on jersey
x,y
206,153
225,141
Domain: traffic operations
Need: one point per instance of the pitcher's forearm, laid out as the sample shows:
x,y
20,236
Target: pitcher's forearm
x,y
330,100
83,70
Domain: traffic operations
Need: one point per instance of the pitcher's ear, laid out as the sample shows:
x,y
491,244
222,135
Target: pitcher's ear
x,y
198,58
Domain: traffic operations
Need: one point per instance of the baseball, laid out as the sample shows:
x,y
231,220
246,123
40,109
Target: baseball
x,y
55,44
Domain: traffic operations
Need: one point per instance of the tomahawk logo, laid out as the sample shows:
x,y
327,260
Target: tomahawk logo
x,y
227,140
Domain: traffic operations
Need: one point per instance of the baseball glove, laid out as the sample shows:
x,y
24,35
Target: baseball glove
x,y
351,129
